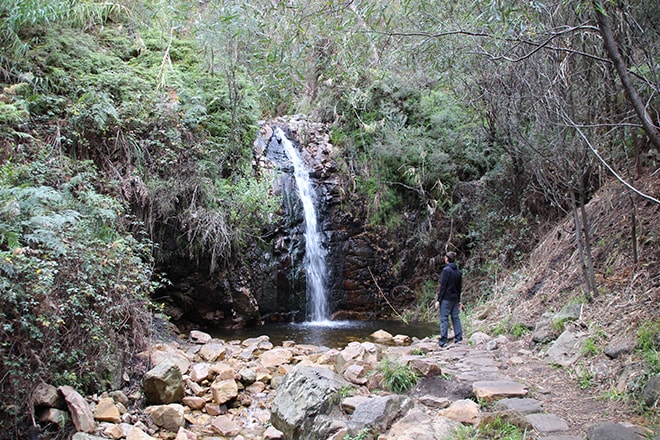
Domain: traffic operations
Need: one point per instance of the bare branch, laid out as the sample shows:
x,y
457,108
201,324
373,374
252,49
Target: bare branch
x,y
600,158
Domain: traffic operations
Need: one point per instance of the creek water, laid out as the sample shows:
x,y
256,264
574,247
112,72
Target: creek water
x,y
332,334
315,266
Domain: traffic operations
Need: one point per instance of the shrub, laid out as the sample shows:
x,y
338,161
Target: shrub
x,y
398,378
74,286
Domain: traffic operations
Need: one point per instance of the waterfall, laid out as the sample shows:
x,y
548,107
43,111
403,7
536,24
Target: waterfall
x,y
317,305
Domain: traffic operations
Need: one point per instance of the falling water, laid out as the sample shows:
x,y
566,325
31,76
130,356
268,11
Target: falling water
x,y
317,307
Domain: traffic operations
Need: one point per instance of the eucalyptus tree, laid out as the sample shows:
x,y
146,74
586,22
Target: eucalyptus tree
x,y
544,78
566,77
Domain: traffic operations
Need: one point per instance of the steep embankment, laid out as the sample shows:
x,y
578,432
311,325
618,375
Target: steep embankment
x,y
629,292
611,358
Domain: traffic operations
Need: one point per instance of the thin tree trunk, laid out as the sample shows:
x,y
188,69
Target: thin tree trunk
x,y
612,49
587,248
633,221
578,240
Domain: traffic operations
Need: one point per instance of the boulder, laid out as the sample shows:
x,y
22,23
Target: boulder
x,y
163,384
306,402
198,337
611,431
225,426
420,426
81,413
380,412
47,396
106,411
651,392
224,390
565,350
463,411
169,417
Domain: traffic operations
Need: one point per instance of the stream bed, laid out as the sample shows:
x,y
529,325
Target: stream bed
x,y
331,334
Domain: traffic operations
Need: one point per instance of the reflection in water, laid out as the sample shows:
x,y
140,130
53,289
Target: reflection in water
x,y
332,334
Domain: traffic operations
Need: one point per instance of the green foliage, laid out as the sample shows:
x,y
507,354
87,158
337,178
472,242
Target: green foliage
x,y
497,429
499,329
560,324
398,378
585,379
648,336
74,286
364,434
520,330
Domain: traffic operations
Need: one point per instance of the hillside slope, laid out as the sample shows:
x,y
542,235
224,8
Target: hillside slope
x,y
626,310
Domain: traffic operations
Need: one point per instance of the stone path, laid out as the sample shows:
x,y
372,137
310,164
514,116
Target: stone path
x,y
478,369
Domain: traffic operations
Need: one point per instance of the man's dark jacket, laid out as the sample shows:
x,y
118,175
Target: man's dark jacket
x,y
451,283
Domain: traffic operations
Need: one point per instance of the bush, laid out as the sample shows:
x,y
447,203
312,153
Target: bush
x,y
74,286
398,378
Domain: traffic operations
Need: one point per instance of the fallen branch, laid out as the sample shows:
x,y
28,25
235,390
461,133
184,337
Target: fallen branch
x,y
385,298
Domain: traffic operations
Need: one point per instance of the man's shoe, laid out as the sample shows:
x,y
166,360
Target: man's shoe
x,y
442,344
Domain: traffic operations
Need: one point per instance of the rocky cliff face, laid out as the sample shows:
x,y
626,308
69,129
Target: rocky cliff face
x,y
269,283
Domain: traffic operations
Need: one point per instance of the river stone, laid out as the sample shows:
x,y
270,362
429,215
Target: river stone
x,y
420,426
169,417
380,412
381,335
651,392
565,350
107,411
225,426
200,371
463,411
213,352
223,371
48,396
137,434
85,436
304,400
276,357
184,434
198,337
164,383
224,390
401,339
161,353
619,347
81,413
273,434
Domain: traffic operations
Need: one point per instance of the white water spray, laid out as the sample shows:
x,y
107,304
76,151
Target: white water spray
x,y
317,304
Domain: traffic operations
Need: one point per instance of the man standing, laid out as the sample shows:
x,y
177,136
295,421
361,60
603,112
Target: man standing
x,y
449,299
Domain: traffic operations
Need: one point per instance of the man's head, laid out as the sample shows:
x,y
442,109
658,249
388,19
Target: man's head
x,y
450,256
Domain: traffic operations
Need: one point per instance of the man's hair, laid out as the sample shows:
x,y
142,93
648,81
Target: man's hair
x,y
451,256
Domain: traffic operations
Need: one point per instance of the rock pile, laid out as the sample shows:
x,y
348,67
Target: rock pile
x,y
204,388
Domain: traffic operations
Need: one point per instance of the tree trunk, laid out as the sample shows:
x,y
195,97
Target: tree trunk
x,y
633,221
612,49
587,248
578,240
